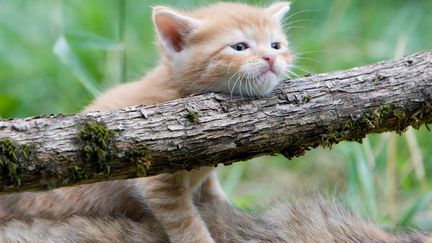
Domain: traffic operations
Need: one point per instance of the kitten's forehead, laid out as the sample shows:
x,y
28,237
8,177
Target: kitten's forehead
x,y
234,13
224,8
237,22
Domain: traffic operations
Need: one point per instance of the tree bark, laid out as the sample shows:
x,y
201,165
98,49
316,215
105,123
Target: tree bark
x,y
204,130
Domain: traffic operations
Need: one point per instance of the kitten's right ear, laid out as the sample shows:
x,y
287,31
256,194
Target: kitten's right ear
x,y
172,28
278,10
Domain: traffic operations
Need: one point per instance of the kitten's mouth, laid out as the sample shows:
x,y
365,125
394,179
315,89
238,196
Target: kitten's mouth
x,y
266,71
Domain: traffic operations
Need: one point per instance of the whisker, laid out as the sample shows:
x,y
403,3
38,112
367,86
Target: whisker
x,y
249,82
297,13
301,68
308,59
255,83
235,83
298,27
303,20
289,72
229,82
308,52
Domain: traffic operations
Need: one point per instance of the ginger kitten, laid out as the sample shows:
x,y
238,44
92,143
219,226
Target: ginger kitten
x,y
226,47
232,48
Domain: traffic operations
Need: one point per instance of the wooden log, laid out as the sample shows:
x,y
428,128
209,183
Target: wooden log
x,y
208,129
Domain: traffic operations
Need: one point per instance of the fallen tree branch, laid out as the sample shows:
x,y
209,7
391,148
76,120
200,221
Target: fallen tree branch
x,y
204,130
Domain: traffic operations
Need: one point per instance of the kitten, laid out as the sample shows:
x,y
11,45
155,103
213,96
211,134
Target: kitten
x,y
305,220
226,47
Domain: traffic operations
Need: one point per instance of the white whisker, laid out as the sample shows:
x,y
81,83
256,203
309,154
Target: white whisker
x,y
306,70
295,14
235,83
290,73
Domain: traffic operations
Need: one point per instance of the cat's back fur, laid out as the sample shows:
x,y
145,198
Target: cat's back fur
x,y
306,220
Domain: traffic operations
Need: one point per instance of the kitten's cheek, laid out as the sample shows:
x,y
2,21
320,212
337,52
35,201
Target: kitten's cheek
x,y
280,70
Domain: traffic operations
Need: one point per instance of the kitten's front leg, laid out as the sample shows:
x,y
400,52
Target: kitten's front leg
x,y
210,190
169,196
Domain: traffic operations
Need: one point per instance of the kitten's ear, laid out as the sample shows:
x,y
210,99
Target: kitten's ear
x,y
172,28
278,10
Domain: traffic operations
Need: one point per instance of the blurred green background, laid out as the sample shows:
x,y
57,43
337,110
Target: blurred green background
x,y
55,56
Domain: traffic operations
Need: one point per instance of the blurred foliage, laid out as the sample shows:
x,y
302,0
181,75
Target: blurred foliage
x,y
55,55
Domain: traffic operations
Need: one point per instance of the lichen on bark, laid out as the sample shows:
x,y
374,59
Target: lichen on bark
x,y
97,143
12,159
140,156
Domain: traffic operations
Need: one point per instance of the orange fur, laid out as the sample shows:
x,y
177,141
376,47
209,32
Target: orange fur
x,y
206,61
199,54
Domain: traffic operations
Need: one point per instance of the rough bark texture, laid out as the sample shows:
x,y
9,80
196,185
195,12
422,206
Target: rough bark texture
x,y
204,130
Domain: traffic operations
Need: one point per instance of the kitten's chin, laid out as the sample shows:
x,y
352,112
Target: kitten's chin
x,y
266,84
261,87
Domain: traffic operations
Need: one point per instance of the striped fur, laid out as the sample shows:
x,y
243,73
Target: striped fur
x,y
306,220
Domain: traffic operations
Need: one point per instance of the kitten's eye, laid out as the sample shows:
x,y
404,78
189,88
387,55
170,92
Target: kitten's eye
x,y
276,45
241,46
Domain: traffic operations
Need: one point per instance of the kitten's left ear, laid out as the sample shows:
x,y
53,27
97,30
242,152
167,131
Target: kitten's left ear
x,y
278,10
173,28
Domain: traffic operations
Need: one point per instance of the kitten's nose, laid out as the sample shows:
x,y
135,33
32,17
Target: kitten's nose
x,y
270,59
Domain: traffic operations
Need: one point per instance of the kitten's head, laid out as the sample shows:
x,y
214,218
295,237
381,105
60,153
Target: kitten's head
x,y
226,47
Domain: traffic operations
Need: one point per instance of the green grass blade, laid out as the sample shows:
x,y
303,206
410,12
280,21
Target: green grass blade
x,y
366,181
419,205
85,40
115,64
121,39
67,56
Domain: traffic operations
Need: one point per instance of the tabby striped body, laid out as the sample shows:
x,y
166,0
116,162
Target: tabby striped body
x,y
304,221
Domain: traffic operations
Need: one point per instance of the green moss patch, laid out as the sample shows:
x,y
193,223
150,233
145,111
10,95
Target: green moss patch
x,y
192,116
140,156
78,173
388,117
97,143
12,160
307,98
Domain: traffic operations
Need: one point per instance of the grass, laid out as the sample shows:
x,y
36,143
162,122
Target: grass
x,y
56,57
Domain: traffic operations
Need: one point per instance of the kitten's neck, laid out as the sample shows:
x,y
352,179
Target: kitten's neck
x,y
156,87
160,85
166,79
158,76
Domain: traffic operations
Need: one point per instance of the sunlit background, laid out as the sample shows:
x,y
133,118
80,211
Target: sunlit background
x,y
55,56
